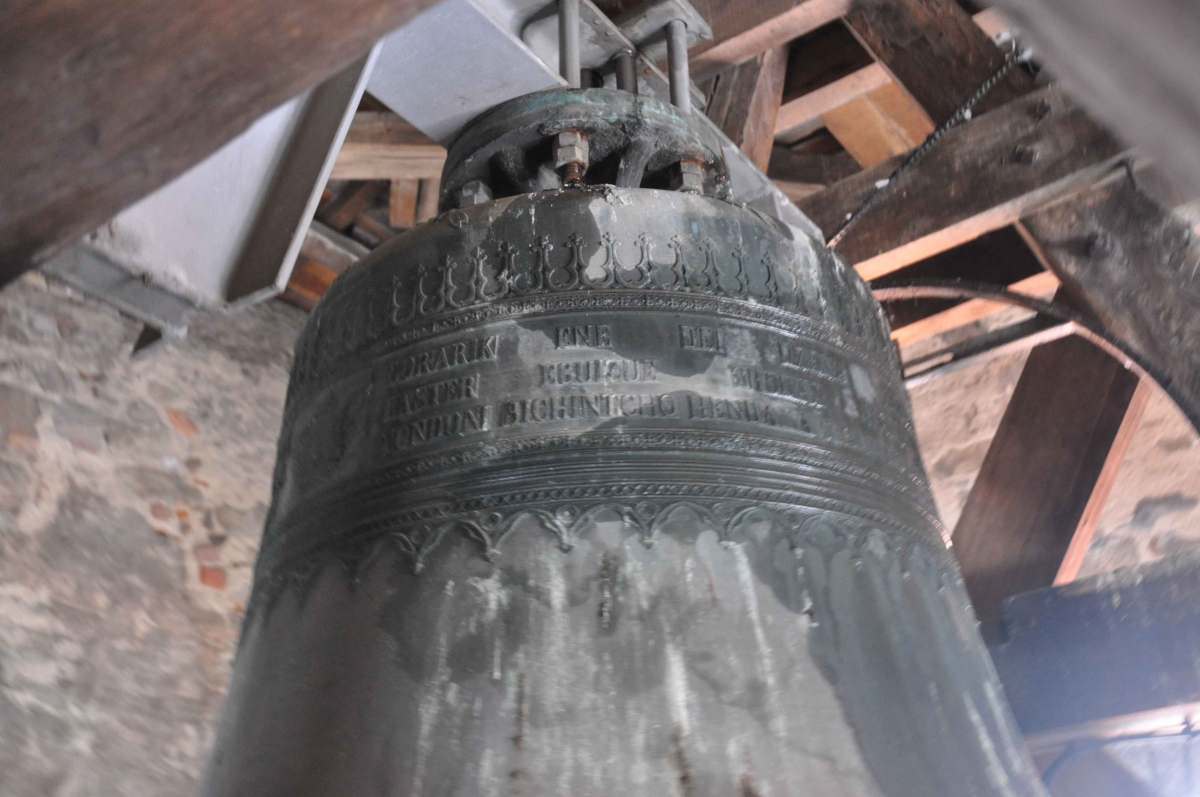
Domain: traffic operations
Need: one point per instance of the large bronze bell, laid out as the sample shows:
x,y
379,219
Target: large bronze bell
x,y
605,489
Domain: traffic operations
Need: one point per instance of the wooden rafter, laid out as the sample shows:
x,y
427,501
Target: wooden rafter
x,y
746,100
382,146
1136,266
982,176
803,112
742,30
1041,473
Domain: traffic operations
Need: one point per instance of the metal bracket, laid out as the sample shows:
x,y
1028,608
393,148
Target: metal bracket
x,y
135,295
227,231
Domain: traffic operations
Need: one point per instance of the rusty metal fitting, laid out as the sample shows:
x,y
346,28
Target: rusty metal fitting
x,y
474,192
689,177
571,155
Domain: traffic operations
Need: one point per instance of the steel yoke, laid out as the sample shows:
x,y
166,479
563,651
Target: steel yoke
x,y
600,484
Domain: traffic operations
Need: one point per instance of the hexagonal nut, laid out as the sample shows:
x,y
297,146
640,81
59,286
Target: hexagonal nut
x,y
474,192
689,177
570,146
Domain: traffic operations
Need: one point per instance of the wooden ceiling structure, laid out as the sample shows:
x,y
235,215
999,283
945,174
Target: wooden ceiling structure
x,y
826,96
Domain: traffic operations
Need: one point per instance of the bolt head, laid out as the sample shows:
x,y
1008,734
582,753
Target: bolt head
x,y
689,178
474,192
570,146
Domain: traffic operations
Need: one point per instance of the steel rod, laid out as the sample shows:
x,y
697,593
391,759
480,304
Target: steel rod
x,y
677,61
626,73
568,42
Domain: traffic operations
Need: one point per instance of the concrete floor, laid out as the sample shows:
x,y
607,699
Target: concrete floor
x,y
132,494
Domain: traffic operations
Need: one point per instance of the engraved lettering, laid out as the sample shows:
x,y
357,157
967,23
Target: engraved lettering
x,y
448,391
571,408
582,372
788,386
746,411
710,339
445,357
592,336
452,424
808,359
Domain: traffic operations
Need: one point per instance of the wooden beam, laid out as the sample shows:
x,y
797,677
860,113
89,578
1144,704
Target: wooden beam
x,y
935,51
1040,471
382,146
880,124
1000,257
743,30
983,175
1039,286
798,114
308,283
1135,65
330,248
746,100
339,212
402,203
108,100
801,112
1135,266
822,57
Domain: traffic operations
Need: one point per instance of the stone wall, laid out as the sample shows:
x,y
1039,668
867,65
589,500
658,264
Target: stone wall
x,y
1154,508
132,494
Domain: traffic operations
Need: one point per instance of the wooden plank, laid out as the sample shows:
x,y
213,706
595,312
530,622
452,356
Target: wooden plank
x,y
402,203
1040,286
935,51
822,57
745,101
983,175
330,248
1039,473
802,111
339,212
799,113
997,258
384,127
1135,65
1134,265
308,283
108,100
742,30
388,162
380,145
879,125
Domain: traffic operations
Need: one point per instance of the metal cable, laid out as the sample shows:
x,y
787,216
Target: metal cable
x,y
961,115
